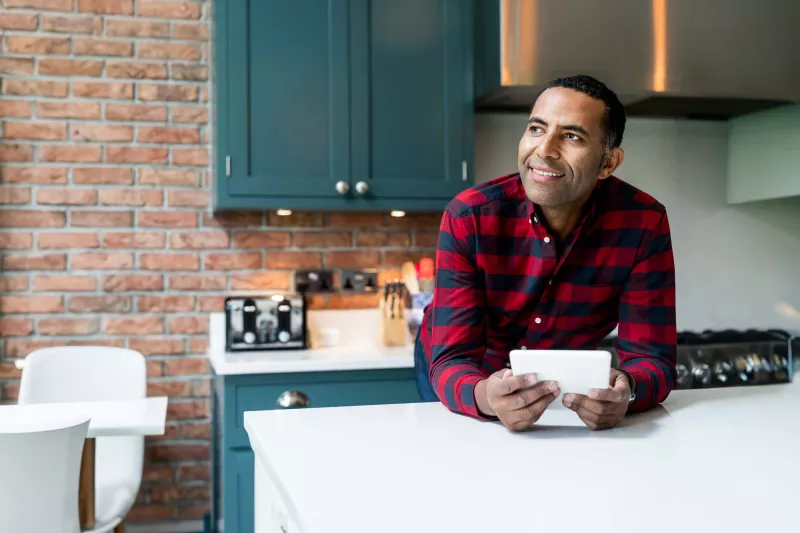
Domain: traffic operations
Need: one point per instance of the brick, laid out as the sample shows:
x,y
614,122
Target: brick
x,y
295,220
353,301
396,259
178,492
8,370
154,369
133,282
115,343
136,112
102,47
31,304
169,261
190,114
167,135
67,326
18,348
133,325
360,259
199,240
92,89
261,281
201,387
197,282
106,7
188,198
15,195
198,345
149,513
165,388
169,176
161,50
187,324
131,197
189,72
66,196
426,239
38,174
45,5
136,28
74,25
167,219
262,239
101,261
99,304
99,218
136,70
31,45
232,219
16,65
167,93
21,218
84,110
18,21
355,220
16,326
171,10
165,304
197,157
64,283
210,304
102,175
134,239
13,283
187,410
194,473
100,133
70,67
136,154
20,109
416,220
233,261
15,240
187,366
15,153
9,391
34,262
154,473
65,240
70,153
323,239
204,94
158,346
190,31
24,87
294,260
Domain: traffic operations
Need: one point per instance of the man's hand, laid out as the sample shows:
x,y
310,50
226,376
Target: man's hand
x,y
518,401
602,408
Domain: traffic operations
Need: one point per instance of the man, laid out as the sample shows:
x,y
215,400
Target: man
x,y
552,257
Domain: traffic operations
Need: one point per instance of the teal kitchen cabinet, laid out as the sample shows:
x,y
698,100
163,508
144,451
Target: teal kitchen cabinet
x,y
233,476
343,104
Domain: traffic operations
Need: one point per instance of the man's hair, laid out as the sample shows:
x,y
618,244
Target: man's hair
x,y
614,117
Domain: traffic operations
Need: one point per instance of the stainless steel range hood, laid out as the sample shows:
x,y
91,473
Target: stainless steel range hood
x,y
671,58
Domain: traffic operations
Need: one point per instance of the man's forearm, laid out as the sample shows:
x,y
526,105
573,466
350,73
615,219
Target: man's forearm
x,y
482,400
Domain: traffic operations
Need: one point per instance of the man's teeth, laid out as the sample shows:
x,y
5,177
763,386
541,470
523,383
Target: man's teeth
x,y
547,174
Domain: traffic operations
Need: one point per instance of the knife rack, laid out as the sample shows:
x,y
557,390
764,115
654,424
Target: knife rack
x,y
392,328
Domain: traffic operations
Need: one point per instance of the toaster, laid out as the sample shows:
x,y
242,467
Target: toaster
x,y
276,322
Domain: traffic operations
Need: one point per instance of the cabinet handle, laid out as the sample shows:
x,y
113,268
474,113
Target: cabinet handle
x,y
342,187
464,175
362,188
293,399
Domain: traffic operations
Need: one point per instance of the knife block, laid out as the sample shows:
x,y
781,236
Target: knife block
x,y
392,331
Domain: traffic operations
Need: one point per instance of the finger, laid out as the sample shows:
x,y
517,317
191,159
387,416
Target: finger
x,y
526,397
617,394
510,384
525,418
579,401
593,421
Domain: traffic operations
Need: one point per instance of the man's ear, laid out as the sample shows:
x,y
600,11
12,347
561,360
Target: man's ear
x,y
611,162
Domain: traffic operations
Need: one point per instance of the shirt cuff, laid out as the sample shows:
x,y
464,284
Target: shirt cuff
x,y
642,391
466,392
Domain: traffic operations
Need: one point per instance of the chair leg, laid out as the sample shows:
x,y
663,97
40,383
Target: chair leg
x,y
120,528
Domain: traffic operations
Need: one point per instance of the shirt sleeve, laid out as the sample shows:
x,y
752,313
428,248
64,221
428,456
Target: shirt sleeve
x,y
647,335
458,338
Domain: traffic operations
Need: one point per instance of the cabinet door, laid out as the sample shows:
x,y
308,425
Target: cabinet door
x,y
412,102
283,95
238,487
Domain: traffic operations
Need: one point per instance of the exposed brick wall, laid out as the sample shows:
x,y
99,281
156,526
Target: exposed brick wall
x,y
106,232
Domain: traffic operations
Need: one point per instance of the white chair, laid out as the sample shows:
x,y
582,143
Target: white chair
x,y
94,373
39,465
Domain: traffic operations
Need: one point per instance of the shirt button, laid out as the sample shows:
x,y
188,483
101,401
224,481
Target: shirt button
x,y
538,320
536,219
546,240
550,282
508,365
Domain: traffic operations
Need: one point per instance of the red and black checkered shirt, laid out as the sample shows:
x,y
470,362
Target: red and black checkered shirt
x,y
504,282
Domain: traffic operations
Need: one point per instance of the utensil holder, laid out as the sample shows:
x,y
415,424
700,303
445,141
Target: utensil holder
x,y
392,330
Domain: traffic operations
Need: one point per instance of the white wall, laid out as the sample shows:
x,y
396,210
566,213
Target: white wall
x,y
736,266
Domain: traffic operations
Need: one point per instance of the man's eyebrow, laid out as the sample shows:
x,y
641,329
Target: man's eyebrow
x,y
570,127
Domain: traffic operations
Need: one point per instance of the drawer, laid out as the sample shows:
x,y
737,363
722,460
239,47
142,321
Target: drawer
x,y
321,389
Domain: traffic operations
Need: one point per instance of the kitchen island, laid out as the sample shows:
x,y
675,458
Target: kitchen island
x,y
724,460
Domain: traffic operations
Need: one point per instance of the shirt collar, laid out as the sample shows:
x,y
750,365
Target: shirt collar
x,y
588,211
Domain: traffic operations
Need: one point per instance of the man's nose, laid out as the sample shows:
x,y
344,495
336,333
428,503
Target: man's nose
x,y
547,148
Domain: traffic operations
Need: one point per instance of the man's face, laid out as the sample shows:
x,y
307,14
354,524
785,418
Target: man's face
x,y
561,151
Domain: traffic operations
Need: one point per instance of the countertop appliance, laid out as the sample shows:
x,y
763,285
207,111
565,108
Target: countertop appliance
x,y
275,322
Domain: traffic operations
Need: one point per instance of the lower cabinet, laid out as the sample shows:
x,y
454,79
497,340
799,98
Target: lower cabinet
x,y
234,395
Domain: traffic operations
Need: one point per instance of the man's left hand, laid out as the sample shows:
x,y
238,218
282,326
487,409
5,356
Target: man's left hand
x,y
602,408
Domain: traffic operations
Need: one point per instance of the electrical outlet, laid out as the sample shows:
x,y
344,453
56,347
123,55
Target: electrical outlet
x,y
313,280
359,280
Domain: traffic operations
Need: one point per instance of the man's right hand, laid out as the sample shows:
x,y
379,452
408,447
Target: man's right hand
x,y
518,401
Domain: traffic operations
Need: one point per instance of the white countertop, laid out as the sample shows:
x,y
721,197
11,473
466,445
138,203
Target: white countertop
x,y
358,349
721,460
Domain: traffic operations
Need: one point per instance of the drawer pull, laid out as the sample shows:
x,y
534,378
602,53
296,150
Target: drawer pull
x,y
293,399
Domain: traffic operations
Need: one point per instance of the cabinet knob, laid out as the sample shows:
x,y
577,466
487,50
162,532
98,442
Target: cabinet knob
x,y
293,399
342,187
362,188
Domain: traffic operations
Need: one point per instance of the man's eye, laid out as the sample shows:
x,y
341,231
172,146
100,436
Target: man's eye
x,y
573,137
535,129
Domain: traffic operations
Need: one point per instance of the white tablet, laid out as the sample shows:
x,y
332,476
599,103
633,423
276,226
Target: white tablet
x,y
575,371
